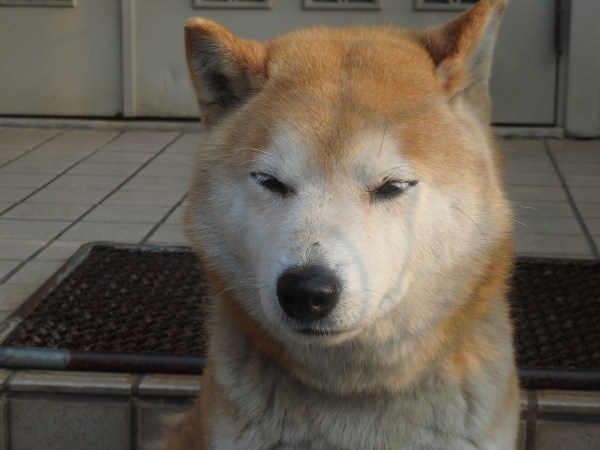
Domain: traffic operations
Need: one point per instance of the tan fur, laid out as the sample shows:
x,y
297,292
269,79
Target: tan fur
x,y
422,354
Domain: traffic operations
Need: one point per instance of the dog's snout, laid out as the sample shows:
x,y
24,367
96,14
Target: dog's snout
x,y
308,293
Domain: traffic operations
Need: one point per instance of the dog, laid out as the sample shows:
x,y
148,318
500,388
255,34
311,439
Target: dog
x,y
350,217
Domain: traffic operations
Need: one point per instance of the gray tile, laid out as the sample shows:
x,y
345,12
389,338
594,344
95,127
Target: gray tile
x,y
542,209
46,211
26,167
178,148
71,196
13,295
34,162
8,154
556,255
163,184
148,136
141,141
589,210
582,180
86,182
561,435
576,151
144,198
66,152
189,143
523,147
167,170
592,224
176,217
575,246
110,169
170,234
569,168
35,272
586,194
588,157
170,385
536,193
24,180
174,158
58,423
29,229
20,248
563,146
71,382
553,226
79,141
14,194
46,157
193,136
151,418
59,250
597,240
107,231
133,147
528,166
5,206
25,137
127,158
7,265
126,213
532,179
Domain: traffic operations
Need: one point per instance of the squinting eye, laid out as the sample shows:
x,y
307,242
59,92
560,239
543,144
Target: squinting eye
x,y
272,184
391,189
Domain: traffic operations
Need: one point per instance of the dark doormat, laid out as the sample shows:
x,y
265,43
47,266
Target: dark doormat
x,y
142,309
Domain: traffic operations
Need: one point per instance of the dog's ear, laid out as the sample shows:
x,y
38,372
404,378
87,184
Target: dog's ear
x,y
462,51
225,70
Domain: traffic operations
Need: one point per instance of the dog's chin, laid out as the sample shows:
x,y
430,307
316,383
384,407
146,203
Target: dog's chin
x,y
314,335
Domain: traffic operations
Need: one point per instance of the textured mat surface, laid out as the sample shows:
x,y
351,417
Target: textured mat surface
x,y
122,300
137,301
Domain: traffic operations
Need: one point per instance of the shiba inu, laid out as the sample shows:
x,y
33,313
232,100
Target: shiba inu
x,y
350,215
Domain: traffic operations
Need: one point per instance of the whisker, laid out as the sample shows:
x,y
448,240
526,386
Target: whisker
x,y
385,172
521,223
520,205
474,223
382,139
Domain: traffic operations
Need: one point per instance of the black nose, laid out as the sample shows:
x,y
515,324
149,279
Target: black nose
x,y
308,293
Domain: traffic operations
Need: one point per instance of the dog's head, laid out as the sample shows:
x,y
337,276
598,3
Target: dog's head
x,y
350,176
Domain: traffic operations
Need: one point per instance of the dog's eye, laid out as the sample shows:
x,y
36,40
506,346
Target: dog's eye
x,y
391,189
271,183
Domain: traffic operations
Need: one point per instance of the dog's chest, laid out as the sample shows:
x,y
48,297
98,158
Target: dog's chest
x,y
280,415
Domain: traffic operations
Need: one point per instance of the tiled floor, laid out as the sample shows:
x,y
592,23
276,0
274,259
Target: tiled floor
x,y
62,188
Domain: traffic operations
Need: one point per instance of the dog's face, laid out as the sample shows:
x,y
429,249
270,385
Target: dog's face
x,y
350,174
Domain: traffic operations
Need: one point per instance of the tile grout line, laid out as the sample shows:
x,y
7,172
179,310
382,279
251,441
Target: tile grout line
x,y
48,241
57,176
91,208
580,220
35,147
164,219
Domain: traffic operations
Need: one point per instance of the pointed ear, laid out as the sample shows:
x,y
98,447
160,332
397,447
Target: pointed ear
x,y
225,70
462,49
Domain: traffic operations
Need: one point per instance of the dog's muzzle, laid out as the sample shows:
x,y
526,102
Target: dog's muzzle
x,y
308,293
